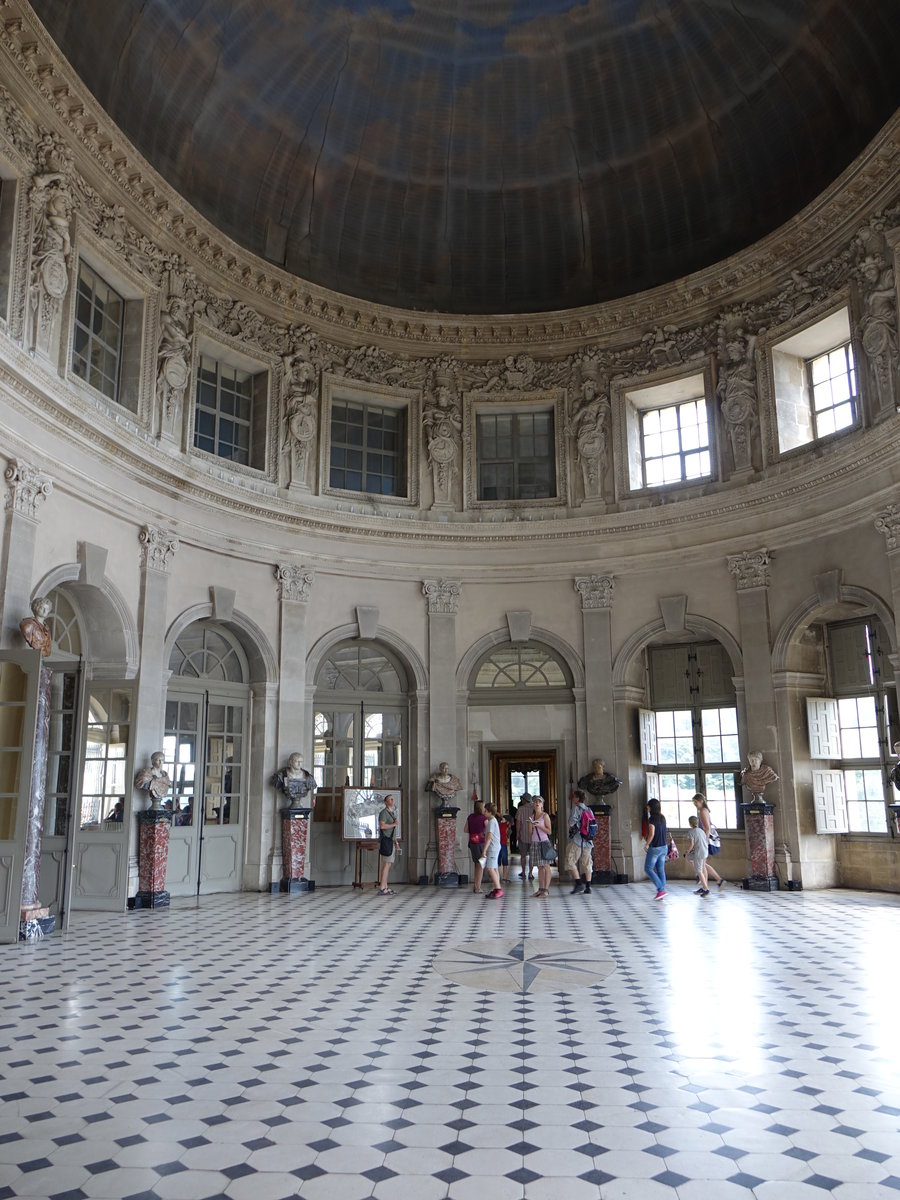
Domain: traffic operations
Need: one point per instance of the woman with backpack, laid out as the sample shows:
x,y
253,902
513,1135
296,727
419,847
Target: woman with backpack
x,y
712,835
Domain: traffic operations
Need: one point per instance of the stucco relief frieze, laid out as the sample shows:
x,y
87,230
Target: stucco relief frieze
x,y
750,569
158,546
28,488
294,582
596,591
888,523
758,268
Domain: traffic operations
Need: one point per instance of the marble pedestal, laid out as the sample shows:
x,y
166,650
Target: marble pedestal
x,y
602,867
294,851
35,920
153,858
446,874
759,825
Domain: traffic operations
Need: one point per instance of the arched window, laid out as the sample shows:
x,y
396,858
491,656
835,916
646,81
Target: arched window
x,y
207,651
64,627
520,669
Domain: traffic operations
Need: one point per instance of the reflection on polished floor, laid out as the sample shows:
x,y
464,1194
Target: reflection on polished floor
x,y
341,1046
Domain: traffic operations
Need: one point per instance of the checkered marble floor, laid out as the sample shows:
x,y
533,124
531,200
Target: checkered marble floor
x,y
263,1047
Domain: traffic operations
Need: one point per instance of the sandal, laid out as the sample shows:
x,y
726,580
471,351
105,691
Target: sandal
x,y
385,891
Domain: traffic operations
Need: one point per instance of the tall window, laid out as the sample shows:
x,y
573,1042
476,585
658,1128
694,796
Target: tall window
x,y
224,413
516,455
689,737
368,448
815,380
675,443
854,729
97,343
832,381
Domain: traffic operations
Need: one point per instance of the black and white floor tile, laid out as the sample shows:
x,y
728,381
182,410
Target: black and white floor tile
x,y
434,1046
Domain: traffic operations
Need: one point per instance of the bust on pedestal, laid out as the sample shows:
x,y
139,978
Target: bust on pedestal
x,y
759,823
599,784
299,789
444,785
153,834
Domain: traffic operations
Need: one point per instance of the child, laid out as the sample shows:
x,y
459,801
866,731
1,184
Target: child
x,y
504,849
697,853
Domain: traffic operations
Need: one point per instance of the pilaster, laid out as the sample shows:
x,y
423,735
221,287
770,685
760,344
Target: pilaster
x,y
28,488
157,548
750,571
294,583
596,593
444,742
888,523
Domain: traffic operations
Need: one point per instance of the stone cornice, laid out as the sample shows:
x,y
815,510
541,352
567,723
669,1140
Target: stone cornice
x,y
110,163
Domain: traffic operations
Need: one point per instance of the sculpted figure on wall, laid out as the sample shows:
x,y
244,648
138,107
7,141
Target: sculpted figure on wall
x,y
736,392
878,328
52,203
589,426
174,353
442,423
300,388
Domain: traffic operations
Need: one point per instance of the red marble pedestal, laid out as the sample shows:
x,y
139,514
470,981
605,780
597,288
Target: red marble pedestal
x,y
446,874
153,858
294,849
601,868
759,825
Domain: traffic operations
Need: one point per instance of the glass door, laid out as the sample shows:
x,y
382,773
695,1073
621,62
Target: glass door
x,y
19,678
204,745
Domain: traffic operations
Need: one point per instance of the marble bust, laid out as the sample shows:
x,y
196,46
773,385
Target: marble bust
x,y
154,780
757,776
35,629
296,782
443,783
599,783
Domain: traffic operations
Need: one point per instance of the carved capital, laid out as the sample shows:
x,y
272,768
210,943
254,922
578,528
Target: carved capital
x,y
442,595
157,547
596,591
750,569
28,488
294,583
888,523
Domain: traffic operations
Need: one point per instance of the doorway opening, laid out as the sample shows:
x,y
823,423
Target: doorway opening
x,y
514,772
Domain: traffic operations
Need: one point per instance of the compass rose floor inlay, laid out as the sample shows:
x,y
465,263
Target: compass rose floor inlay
x,y
526,965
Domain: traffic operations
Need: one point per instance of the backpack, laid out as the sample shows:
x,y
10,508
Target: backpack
x,y
715,842
588,825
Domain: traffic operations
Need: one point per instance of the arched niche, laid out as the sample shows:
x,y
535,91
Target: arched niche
x,y
109,635
261,659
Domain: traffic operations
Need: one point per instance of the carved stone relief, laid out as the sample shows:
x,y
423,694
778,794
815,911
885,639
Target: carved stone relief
x,y
52,204
878,324
737,395
442,426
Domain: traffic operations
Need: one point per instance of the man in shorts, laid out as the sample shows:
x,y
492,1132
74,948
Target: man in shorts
x,y
580,850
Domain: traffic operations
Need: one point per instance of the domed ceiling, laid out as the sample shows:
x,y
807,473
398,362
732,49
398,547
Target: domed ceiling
x,y
485,156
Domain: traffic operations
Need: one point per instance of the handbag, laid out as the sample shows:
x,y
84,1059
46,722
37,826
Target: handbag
x,y
673,852
386,846
548,853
